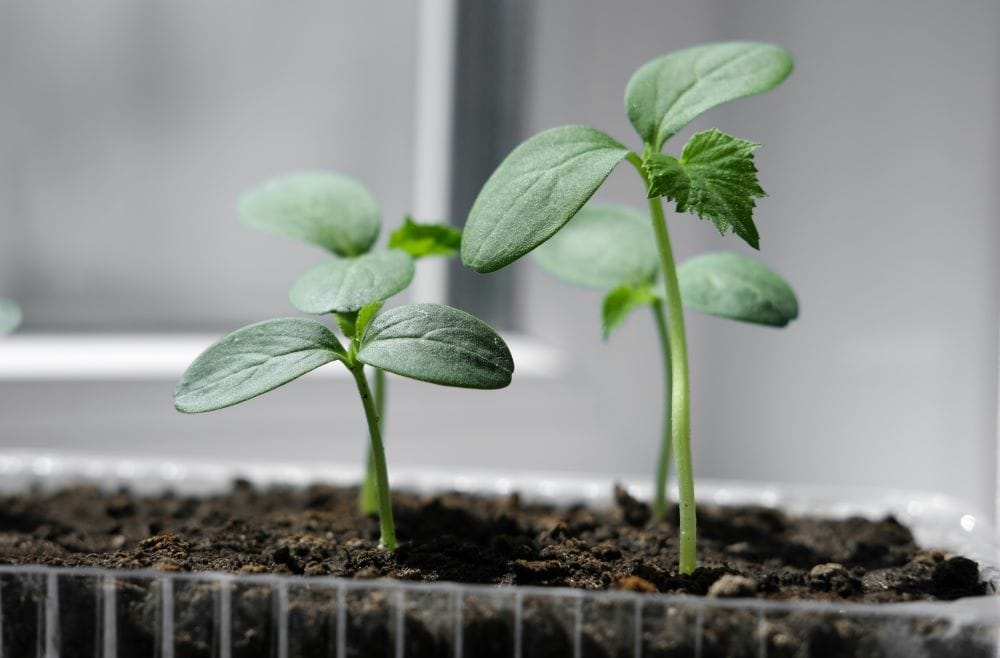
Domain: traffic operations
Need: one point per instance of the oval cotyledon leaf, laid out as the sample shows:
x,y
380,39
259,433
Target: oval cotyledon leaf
x,y
437,344
254,360
736,287
534,191
344,285
320,207
604,246
666,94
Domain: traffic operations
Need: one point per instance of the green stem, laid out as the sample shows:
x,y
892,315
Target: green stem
x,y
660,502
388,528
380,396
368,495
680,408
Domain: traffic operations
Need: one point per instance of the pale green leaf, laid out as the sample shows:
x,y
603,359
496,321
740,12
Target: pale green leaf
x,y
320,207
666,94
715,179
10,316
603,246
254,360
619,304
736,287
346,284
438,344
347,322
421,240
366,315
534,191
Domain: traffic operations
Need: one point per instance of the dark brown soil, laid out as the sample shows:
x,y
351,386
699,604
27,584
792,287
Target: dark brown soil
x,y
744,552
467,539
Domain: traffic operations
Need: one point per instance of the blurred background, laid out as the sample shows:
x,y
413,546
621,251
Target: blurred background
x,y
128,130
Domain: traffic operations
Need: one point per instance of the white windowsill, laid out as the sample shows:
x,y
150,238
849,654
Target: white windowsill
x,y
41,357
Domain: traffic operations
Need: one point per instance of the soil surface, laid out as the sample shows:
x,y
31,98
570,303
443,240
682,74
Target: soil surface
x,y
318,531
743,552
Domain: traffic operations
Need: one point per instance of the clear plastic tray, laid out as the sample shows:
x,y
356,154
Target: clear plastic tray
x,y
67,613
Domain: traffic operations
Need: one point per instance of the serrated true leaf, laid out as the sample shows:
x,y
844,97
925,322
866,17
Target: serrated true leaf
x,y
715,179
10,316
320,207
534,191
666,94
346,284
736,287
419,240
438,344
254,360
602,246
619,304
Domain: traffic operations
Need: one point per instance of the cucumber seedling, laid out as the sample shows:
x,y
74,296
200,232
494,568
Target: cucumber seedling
x,y
340,215
428,342
10,316
612,248
547,179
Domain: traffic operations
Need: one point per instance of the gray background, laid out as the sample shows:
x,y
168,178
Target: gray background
x,y
129,129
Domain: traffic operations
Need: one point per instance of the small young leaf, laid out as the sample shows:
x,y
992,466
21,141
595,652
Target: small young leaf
x,y
323,208
438,344
603,246
666,94
366,315
254,360
10,316
421,240
347,321
534,191
736,287
715,179
619,304
346,284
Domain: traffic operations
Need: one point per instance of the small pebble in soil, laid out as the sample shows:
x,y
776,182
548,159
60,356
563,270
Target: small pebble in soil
x,y
634,512
957,577
634,584
531,572
835,578
733,586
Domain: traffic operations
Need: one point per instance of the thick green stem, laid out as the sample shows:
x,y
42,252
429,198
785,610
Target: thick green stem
x,y
368,495
680,409
388,528
660,503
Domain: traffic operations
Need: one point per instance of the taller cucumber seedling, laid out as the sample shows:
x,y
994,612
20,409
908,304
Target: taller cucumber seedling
x,y
547,179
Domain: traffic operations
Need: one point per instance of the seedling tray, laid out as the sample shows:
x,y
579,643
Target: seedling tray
x,y
67,612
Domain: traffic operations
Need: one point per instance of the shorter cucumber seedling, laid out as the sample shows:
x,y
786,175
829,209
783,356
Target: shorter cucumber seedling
x,y
428,342
340,215
545,182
